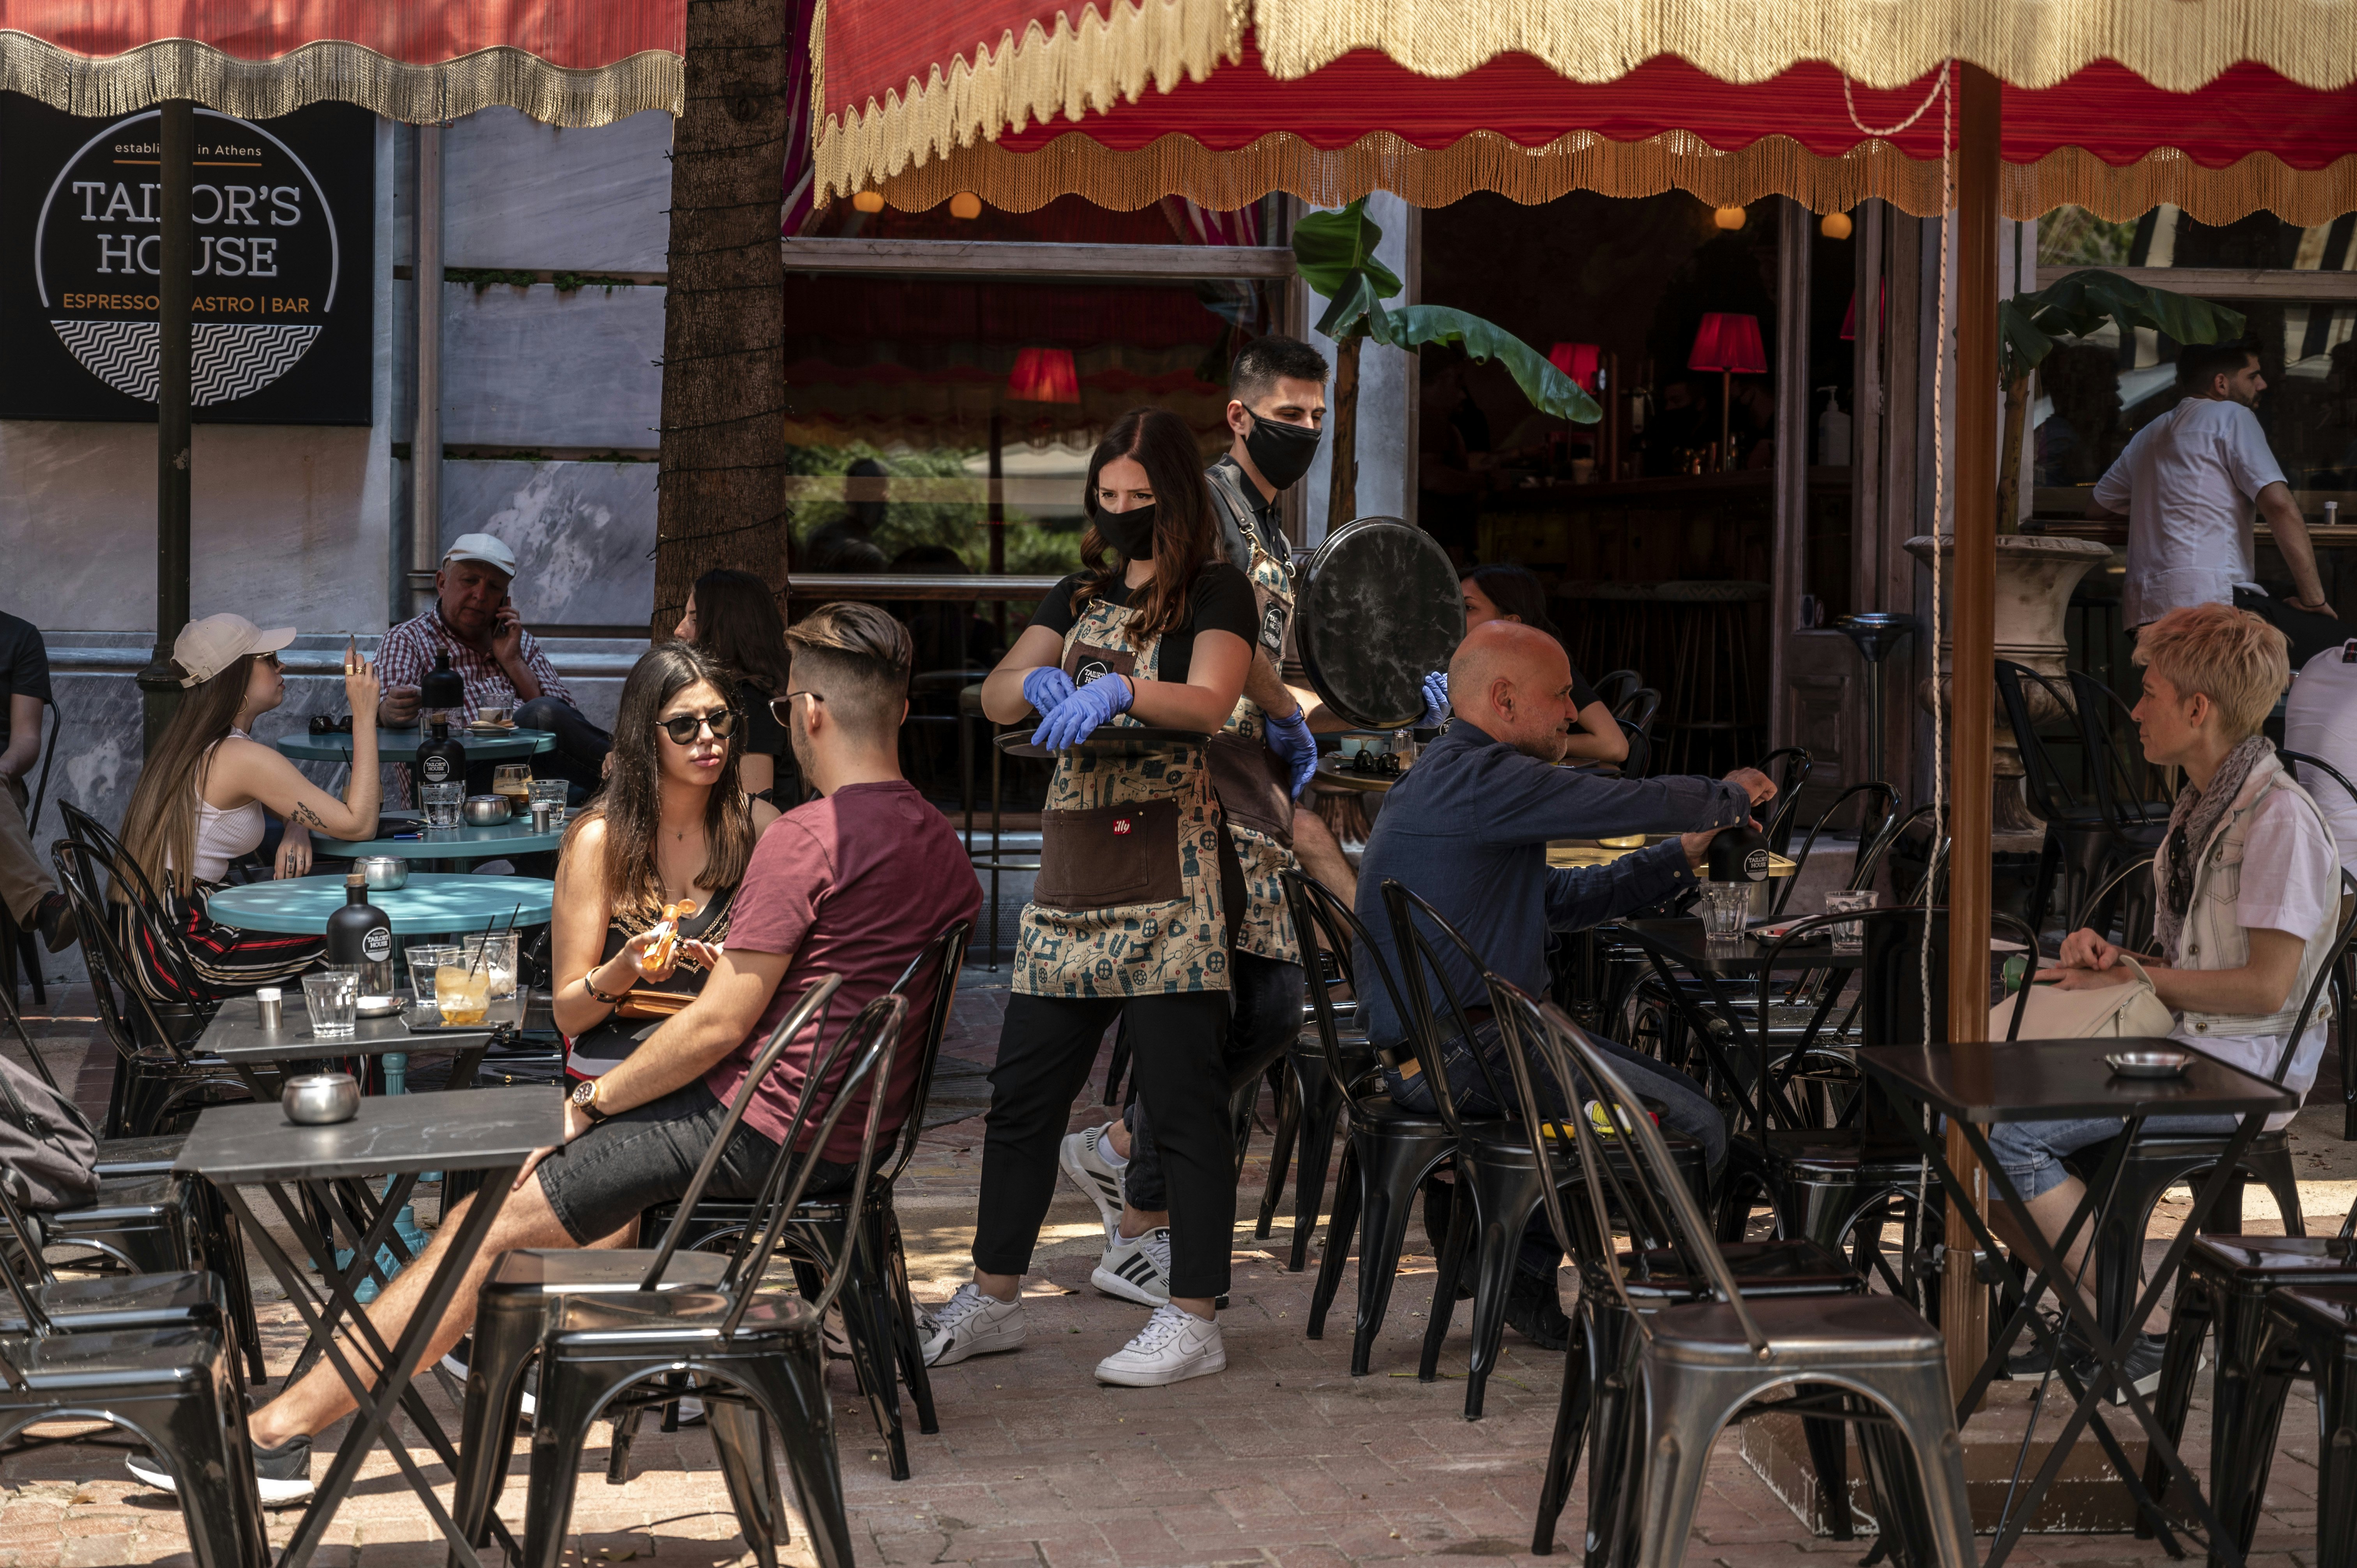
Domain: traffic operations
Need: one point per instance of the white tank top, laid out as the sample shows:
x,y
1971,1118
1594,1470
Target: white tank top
x,y
223,836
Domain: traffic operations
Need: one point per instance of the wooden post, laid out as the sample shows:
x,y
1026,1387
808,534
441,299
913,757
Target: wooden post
x,y
175,291
1972,690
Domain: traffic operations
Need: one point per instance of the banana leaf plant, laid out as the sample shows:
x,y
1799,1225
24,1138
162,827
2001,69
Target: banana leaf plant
x,y
1335,253
2029,325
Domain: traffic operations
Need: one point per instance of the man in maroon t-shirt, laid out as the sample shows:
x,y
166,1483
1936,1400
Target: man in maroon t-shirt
x,y
855,883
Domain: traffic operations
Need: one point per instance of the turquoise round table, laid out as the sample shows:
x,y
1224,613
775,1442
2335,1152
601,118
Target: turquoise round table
x,y
401,746
450,843
433,904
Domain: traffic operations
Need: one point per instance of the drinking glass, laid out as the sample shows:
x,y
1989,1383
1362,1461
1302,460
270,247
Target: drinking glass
x,y
513,780
1725,906
442,803
554,792
1850,935
461,991
331,996
425,961
496,967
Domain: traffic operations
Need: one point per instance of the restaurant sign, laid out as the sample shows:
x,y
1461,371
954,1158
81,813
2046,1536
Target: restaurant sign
x,y
282,326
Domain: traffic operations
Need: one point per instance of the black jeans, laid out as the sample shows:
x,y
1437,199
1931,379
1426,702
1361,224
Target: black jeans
x,y
646,1155
581,746
1177,1045
2308,632
1266,995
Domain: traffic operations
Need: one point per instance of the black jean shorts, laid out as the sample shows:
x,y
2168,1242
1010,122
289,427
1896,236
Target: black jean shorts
x,y
638,1159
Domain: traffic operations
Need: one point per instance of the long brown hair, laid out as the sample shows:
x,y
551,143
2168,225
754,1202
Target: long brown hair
x,y
1186,529
736,622
630,805
160,825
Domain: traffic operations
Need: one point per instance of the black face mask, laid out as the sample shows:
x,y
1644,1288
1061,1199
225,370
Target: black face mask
x,y
1131,532
1282,453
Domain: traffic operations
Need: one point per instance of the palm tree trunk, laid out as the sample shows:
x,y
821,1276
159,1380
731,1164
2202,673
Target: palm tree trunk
x,y
721,497
1343,495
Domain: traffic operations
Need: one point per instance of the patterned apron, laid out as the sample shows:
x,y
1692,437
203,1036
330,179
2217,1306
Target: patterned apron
x,y
1128,901
1244,773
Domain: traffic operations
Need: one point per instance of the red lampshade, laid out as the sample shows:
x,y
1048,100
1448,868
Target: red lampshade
x,y
1046,375
1729,342
1576,360
1849,317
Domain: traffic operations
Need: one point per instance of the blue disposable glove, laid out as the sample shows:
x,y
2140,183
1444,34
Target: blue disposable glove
x,y
1078,715
1046,689
1435,701
1289,737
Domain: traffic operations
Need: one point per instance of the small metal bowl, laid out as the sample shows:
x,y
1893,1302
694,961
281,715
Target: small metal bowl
x,y
2149,1064
321,1099
487,810
383,873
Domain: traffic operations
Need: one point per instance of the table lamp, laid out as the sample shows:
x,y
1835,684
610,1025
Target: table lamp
x,y
1728,342
1577,360
1044,375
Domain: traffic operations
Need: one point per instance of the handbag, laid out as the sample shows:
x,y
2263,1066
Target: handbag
x,y
2134,1011
644,1002
49,1151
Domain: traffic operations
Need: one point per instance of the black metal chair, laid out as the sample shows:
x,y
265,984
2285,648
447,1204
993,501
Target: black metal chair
x,y
523,1298
2311,1328
1391,1150
1678,1343
1790,778
17,948
1877,814
1612,687
2077,841
758,1358
146,920
1309,1104
2344,977
107,1301
879,1316
1635,714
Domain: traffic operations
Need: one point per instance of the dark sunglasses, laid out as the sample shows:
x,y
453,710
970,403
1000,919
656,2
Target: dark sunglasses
x,y
782,708
721,721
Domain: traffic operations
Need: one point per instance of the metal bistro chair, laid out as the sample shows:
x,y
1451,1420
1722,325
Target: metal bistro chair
x,y
17,948
2344,977
759,1359
1390,1149
1704,1363
522,1299
2310,1327
1612,687
2078,842
879,1317
1790,780
1310,1106
1500,1171
1635,715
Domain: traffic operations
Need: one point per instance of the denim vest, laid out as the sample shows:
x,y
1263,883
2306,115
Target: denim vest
x,y
2214,939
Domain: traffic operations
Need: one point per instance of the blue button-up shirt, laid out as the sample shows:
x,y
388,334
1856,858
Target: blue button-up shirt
x,y
1466,829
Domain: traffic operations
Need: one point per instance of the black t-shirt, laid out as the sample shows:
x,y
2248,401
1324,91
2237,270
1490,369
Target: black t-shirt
x,y
24,666
1221,600
763,734
1582,693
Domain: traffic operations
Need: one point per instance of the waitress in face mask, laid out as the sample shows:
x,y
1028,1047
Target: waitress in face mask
x,y
1129,918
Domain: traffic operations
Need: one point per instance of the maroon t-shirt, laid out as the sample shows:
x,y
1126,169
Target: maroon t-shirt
x,y
853,884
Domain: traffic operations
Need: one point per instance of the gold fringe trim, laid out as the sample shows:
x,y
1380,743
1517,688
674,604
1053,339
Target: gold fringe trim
x,y
1099,61
2177,45
1176,165
342,72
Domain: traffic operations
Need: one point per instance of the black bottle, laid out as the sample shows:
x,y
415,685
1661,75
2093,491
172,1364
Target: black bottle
x,y
440,759
1738,855
442,688
360,934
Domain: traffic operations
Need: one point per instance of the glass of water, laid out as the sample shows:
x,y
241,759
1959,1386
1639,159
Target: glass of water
x,y
442,803
1725,906
331,996
1850,935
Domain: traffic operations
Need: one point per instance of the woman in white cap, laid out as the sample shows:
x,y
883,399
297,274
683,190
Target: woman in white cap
x,y
201,801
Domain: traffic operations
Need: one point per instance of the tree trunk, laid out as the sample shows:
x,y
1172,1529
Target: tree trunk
x,y
721,495
2009,462
1342,497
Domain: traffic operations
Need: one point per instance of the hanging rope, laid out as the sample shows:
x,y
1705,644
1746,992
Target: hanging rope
x,y
1939,93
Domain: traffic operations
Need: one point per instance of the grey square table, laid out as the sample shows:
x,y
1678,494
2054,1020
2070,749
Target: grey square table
x,y
492,1131
1984,1083
263,1058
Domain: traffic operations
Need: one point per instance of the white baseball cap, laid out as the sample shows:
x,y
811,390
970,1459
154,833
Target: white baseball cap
x,y
488,548
205,647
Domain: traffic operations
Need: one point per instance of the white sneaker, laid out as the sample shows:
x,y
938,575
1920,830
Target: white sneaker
x,y
1175,1345
972,1323
528,1409
1137,1268
1083,1159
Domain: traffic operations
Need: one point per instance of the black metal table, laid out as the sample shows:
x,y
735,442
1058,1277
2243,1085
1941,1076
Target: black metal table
x,y
2044,1080
263,1058
489,1130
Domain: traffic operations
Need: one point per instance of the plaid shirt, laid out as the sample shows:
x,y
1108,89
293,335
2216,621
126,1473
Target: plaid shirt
x,y
406,657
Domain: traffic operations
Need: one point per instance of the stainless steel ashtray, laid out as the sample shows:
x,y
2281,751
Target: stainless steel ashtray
x,y
2149,1064
321,1099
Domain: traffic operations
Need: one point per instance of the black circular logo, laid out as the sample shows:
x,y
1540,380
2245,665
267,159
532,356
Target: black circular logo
x,y
268,258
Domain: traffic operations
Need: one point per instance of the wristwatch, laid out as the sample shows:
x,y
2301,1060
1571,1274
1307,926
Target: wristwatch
x,y
585,1099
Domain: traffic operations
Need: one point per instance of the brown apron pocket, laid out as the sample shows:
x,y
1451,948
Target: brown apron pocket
x,y
1250,794
1110,855
1085,661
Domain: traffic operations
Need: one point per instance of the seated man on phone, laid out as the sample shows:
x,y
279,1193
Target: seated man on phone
x,y
474,621
855,883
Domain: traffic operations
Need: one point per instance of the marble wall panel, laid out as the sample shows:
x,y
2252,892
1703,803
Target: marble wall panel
x,y
531,366
517,194
581,532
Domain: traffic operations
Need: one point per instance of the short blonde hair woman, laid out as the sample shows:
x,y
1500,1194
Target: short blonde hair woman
x,y
2247,902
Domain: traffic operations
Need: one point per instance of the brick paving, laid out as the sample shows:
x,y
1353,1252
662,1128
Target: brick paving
x,y
1284,1459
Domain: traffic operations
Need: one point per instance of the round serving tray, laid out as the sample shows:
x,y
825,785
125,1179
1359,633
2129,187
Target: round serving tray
x,y
1108,740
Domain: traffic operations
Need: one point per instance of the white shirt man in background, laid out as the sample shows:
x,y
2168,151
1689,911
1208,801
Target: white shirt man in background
x,y
2188,485
2320,721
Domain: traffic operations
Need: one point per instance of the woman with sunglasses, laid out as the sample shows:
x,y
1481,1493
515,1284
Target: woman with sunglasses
x,y
201,800
733,616
672,825
1129,919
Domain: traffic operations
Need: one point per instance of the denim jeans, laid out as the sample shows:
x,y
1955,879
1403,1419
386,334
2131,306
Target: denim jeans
x,y
2031,1153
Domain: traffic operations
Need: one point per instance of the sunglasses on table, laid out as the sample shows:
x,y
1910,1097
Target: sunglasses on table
x,y
681,727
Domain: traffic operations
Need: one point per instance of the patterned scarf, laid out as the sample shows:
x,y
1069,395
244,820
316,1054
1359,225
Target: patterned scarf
x,y
2195,817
